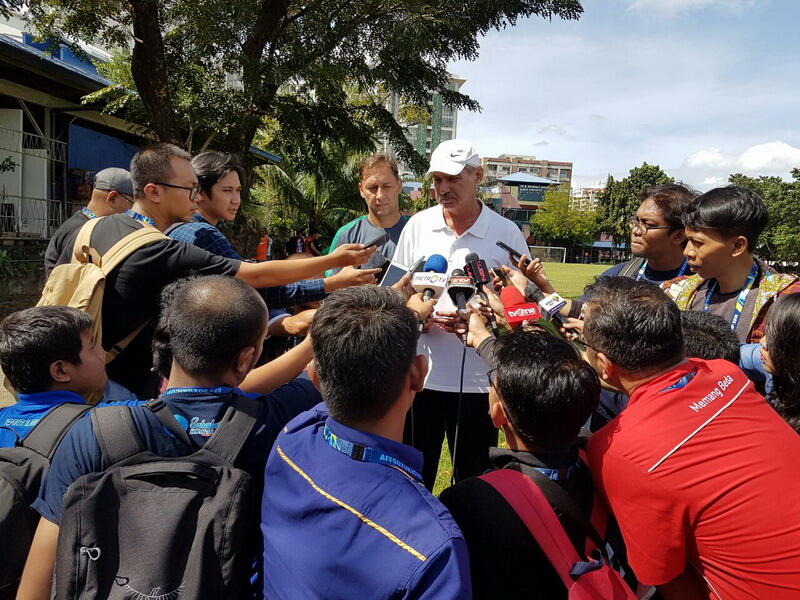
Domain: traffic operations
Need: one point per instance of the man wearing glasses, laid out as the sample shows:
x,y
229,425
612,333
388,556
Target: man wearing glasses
x,y
112,194
165,190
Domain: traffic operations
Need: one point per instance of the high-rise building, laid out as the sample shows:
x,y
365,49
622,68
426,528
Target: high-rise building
x,y
424,138
586,198
496,167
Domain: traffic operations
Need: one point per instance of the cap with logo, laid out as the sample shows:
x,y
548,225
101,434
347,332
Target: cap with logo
x,y
452,156
116,179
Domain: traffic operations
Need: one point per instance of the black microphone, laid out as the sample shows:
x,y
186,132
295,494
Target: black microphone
x,y
460,290
477,269
535,293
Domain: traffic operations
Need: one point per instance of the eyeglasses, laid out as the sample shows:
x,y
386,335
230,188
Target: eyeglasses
x,y
128,199
643,228
193,191
491,375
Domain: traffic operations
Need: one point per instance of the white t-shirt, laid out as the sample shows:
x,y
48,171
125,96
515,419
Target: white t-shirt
x,y
426,233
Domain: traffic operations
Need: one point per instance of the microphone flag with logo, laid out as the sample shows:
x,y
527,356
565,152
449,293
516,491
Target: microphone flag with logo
x,y
515,308
432,281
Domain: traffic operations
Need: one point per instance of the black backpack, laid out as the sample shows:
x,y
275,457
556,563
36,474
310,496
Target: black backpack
x,y
22,468
157,527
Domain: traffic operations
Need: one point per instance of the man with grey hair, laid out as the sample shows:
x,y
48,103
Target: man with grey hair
x,y
112,193
165,188
458,225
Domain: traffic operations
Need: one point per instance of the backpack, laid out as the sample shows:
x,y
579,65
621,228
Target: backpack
x,y
80,283
160,527
590,578
22,469
631,267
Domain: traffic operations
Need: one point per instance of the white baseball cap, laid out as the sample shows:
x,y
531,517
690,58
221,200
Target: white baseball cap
x,y
452,156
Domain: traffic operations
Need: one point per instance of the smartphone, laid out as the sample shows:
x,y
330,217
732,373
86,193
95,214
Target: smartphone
x,y
377,240
510,250
418,266
393,274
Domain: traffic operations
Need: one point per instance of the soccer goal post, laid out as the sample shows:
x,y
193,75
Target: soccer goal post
x,y
549,253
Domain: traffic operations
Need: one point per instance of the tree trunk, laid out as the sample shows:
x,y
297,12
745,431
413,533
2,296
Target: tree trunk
x,y
149,72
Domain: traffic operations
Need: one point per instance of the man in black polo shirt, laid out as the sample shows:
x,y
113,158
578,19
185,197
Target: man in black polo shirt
x,y
112,194
165,188
541,393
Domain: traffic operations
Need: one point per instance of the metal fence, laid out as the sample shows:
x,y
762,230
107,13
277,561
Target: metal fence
x,y
22,217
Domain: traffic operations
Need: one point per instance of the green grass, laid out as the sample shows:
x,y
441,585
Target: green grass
x,y
569,279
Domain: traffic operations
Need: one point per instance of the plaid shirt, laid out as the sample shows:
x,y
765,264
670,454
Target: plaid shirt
x,y
203,234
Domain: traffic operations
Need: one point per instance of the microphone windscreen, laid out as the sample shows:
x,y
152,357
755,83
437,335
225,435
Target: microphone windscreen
x,y
435,263
458,273
471,256
511,296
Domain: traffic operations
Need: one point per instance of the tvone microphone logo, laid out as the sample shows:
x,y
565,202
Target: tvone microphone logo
x,y
524,312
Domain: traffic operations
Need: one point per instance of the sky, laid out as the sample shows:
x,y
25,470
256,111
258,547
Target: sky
x,y
702,88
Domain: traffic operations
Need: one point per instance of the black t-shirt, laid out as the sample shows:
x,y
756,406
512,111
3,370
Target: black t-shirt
x,y
57,242
132,293
505,560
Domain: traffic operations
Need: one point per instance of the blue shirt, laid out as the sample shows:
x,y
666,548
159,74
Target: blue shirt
x,y
17,420
338,528
750,363
199,232
199,412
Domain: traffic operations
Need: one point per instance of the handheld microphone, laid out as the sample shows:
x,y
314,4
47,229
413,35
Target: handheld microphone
x,y
554,301
460,289
516,309
477,269
432,281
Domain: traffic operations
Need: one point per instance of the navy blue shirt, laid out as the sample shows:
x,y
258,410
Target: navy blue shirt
x,y
338,528
198,412
17,420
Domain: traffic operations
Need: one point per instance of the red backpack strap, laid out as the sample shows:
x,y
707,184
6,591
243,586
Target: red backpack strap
x,y
530,504
600,512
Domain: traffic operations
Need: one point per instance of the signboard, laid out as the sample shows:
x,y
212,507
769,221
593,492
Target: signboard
x,y
531,193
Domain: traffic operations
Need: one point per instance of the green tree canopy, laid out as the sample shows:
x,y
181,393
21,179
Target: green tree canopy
x,y
620,199
557,220
781,240
208,73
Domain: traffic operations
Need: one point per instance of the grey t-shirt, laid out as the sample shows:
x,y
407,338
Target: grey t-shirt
x,y
723,305
360,231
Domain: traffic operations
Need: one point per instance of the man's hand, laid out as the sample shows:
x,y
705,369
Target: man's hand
x,y
352,254
447,320
533,269
573,329
404,285
423,308
476,328
350,276
298,324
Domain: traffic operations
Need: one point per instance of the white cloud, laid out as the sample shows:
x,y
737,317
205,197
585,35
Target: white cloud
x,y
710,158
768,158
677,6
557,129
714,181
542,143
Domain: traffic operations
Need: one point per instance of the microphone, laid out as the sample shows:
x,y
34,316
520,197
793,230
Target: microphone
x,y
516,309
477,269
553,301
460,289
433,279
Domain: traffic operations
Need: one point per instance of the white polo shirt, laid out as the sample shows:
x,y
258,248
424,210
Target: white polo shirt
x,y
426,233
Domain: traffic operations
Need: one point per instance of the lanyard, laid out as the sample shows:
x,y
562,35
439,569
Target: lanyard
x,y
681,383
141,218
558,474
681,272
214,391
367,454
88,212
737,310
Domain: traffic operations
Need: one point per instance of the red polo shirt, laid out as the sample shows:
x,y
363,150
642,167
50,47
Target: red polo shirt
x,y
700,469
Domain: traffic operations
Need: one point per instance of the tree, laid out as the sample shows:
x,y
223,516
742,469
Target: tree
x,y
619,199
781,240
558,221
206,74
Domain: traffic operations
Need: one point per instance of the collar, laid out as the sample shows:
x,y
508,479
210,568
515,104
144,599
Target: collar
x,y
501,457
479,228
660,384
200,218
408,455
51,398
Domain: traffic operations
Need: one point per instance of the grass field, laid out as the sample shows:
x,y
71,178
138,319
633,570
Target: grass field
x,y
569,279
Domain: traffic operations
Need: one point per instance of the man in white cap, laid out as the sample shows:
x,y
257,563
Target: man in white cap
x,y
459,225
112,193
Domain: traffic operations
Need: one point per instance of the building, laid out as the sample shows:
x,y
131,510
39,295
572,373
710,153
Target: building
x,y
586,198
517,196
496,167
424,138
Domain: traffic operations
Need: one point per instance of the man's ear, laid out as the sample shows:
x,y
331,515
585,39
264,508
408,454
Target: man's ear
x,y
151,192
739,246
111,198
313,375
59,372
498,414
245,361
607,369
418,372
